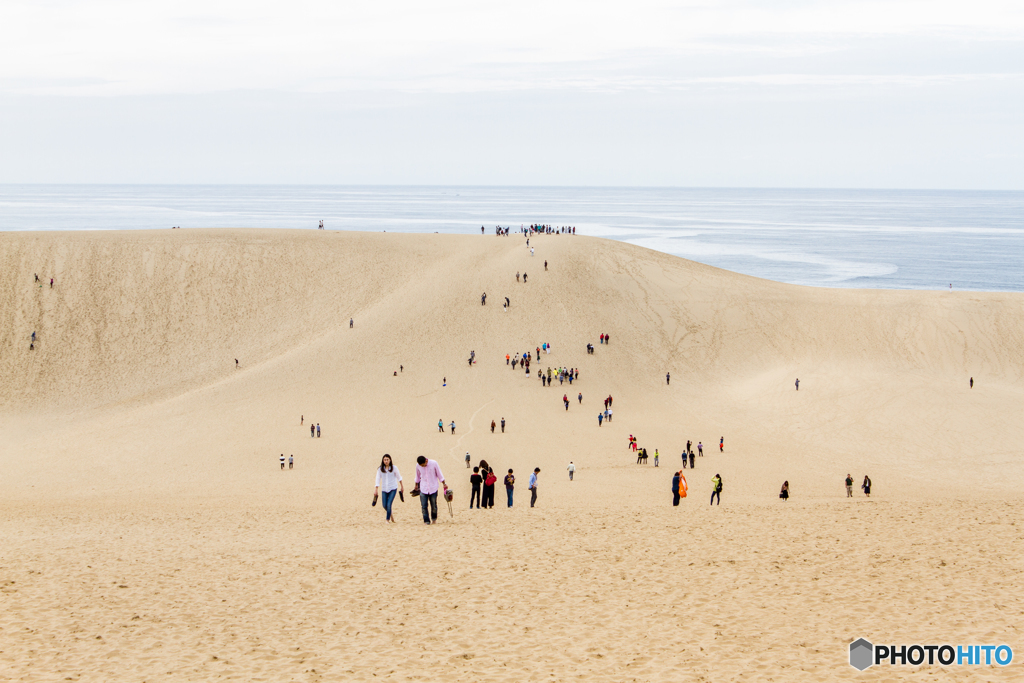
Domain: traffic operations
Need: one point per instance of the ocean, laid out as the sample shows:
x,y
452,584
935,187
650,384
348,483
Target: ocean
x,y
893,239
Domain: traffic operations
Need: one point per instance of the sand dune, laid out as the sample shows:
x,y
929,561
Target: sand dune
x,y
136,454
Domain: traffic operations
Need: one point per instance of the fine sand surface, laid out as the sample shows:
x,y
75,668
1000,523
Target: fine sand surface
x,y
148,533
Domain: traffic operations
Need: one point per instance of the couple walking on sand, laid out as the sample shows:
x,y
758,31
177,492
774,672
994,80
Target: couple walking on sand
x,y
429,480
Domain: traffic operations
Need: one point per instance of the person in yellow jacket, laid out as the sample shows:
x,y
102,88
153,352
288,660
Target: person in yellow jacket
x,y
716,483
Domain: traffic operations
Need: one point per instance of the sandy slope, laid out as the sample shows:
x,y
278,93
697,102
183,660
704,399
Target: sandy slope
x,y
135,452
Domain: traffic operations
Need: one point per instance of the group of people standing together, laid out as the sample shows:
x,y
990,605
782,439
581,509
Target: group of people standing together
x,y
605,416
484,479
523,361
430,482
561,374
550,230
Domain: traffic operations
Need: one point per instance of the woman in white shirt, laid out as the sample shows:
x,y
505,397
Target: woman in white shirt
x,y
389,482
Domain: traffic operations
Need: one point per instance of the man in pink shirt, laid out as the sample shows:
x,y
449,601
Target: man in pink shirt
x,y
428,480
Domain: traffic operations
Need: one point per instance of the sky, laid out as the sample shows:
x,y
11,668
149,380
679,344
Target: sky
x,y
786,93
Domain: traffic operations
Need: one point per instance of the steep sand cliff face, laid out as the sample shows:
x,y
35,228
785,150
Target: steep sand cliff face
x,y
137,339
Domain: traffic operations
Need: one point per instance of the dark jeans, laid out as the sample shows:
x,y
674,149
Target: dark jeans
x,y
432,499
386,499
474,495
533,496
713,494
489,496
675,498
509,490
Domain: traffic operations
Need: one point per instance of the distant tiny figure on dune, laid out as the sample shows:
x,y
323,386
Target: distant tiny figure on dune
x,y
784,493
440,426
972,383
282,461
849,486
668,378
318,430
483,299
700,449
312,430
302,419
236,363
453,427
37,277
51,283
291,461
502,425
517,277
866,486
721,445
545,265
798,384
351,323
493,425
716,484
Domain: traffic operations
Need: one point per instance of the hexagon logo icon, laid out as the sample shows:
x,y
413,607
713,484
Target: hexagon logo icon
x,y
862,654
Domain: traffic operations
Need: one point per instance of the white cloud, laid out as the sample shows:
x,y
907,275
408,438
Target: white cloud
x,y
116,48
